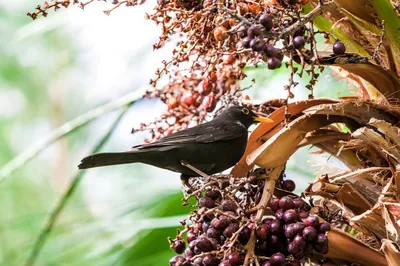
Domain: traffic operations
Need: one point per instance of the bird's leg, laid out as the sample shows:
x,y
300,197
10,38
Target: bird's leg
x,y
185,183
194,169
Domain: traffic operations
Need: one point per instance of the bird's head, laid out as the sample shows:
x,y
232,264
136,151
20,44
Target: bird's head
x,y
243,115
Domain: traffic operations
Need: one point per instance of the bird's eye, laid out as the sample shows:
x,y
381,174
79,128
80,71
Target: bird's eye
x,y
245,111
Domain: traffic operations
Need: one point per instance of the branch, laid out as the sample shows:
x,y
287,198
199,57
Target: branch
x,y
268,191
51,219
30,153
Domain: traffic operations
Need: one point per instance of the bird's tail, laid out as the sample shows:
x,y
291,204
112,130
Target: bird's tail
x,y
109,158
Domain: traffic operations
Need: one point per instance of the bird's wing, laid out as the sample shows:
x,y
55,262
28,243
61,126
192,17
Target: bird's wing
x,y
204,133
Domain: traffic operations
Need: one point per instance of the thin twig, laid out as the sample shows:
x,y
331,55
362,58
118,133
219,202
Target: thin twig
x,y
51,219
30,153
268,191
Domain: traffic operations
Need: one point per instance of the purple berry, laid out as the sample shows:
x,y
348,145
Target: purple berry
x,y
274,204
322,250
220,223
253,31
203,245
198,261
206,202
324,227
225,263
234,259
290,231
290,216
275,227
303,214
242,32
257,44
188,253
214,233
277,259
212,194
298,202
322,240
271,51
299,42
289,185
274,63
231,229
267,263
311,221
299,241
292,248
190,236
339,48
178,260
210,260
228,205
279,214
178,246
286,203
266,21
246,42
309,233
298,227
244,235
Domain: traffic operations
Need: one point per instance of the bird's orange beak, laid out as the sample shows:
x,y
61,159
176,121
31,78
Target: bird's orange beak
x,y
262,119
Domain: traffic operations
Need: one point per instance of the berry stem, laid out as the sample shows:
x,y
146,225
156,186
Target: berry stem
x,y
268,191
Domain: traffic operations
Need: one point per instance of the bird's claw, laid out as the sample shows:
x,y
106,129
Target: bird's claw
x,y
194,169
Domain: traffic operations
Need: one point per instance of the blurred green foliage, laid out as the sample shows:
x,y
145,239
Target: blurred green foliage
x,y
142,216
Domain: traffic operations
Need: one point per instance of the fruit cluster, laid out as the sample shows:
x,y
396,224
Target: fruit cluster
x,y
216,41
222,230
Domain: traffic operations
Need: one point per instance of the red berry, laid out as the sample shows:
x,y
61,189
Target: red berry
x,y
188,99
172,103
209,103
262,232
206,87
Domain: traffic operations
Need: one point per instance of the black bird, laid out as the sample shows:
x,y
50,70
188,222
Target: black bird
x,y
210,147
